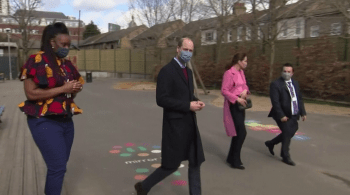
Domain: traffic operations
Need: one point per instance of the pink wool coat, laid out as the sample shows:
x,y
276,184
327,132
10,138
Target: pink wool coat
x,y
233,84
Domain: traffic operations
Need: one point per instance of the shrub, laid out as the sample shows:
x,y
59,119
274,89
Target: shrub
x,y
320,74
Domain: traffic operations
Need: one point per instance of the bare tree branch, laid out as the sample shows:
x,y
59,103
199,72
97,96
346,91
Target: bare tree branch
x,y
23,13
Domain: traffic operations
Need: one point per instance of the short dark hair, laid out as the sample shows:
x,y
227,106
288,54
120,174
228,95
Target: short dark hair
x,y
288,65
181,41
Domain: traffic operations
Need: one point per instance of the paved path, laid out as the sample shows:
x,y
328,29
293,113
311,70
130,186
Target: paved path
x,y
117,123
22,168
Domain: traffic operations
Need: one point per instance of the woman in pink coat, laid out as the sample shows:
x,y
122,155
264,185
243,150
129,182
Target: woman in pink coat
x,y
235,90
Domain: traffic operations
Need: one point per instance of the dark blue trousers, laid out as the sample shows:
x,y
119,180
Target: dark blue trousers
x,y
54,138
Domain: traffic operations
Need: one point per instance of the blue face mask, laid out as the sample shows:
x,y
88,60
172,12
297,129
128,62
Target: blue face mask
x,y
185,56
62,52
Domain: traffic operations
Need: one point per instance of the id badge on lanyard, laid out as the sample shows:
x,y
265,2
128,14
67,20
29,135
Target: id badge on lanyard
x,y
66,78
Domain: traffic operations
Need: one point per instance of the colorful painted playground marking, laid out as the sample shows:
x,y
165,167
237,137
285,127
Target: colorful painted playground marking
x,y
147,158
114,151
143,154
179,183
257,126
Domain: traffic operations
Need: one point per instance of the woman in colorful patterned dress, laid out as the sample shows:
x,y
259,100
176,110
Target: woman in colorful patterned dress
x,y
50,84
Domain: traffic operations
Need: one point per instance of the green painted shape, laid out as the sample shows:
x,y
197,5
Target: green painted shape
x,y
177,173
142,148
130,150
142,170
125,154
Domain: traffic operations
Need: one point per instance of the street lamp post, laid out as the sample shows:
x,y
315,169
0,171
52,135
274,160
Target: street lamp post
x,y
9,48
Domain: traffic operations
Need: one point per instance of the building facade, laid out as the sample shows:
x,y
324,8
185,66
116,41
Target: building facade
x,y
38,21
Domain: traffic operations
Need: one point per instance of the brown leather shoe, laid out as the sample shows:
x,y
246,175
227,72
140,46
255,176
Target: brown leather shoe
x,y
139,189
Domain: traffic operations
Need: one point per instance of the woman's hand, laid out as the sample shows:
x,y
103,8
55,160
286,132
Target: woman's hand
x,y
244,94
78,86
242,101
71,87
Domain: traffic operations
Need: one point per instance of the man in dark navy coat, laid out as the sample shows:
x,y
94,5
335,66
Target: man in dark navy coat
x,y
180,136
287,107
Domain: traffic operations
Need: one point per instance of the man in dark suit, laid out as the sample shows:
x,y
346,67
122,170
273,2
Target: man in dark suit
x,y
287,107
180,136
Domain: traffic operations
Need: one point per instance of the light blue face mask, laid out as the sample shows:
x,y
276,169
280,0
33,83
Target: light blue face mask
x,y
185,56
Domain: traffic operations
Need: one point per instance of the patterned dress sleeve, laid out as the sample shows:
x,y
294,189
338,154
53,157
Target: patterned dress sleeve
x,y
34,69
75,72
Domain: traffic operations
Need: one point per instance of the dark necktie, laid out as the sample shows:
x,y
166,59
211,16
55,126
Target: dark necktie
x,y
184,70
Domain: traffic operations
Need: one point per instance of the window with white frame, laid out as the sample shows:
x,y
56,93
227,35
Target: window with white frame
x,y
35,22
4,20
0,30
1,52
209,36
284,29
43,22
315,31
298,27
336,29
248,34
239,33
260,31
229,36
18,31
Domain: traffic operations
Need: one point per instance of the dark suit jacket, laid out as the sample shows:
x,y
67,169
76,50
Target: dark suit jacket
x,y
174,94
281,100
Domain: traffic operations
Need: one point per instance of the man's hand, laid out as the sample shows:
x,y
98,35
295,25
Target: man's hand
x,y
196,106
202,104
303,118
284,119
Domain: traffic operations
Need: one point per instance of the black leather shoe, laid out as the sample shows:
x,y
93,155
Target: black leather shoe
x,y
270,146
241,167
139,189
288,161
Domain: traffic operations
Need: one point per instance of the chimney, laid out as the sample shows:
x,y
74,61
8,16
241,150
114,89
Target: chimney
x,y
239,8
278,3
